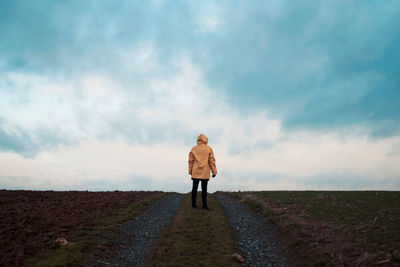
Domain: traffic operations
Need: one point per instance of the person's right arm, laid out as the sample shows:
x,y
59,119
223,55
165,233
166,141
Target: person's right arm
x,y
211,162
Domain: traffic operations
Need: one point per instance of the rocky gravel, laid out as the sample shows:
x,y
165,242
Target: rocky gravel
x,y
136,236
256,237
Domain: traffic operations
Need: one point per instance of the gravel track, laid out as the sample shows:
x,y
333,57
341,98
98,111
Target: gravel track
x,y
136,236
256,237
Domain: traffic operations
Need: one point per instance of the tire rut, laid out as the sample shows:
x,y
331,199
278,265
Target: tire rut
x,y
256,237
136,236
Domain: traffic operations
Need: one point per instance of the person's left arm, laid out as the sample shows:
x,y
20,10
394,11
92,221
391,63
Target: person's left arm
x,y
191,162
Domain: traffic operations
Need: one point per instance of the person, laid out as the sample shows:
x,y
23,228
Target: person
x,y
201,162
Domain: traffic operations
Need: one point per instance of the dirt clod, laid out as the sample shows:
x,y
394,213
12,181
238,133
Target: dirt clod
x,y
62,241
387,260
396,254
238,258
365,257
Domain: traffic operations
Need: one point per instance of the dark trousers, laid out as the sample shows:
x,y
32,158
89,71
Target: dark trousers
x,y
204,183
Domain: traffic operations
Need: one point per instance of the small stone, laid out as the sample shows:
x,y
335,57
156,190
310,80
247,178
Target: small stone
x,y
238,258
396,254
62,241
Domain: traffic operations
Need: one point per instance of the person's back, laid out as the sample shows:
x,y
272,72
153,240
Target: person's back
x,y
201,159
201,162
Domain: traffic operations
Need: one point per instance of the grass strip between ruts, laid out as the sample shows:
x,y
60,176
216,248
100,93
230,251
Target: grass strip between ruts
x,y
85,240
196,237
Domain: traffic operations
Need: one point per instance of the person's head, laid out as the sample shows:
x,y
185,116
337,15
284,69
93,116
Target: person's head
x,y
202,139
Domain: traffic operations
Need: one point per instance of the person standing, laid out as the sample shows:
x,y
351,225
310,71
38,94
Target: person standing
x,y
201,162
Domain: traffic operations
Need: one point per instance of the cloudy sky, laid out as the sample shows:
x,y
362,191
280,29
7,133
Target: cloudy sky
x,y
111,95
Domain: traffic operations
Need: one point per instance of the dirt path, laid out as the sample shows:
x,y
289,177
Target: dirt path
x,y
192,237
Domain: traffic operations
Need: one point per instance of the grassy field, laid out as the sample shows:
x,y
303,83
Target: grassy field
x,y
196,237
85,240
359,225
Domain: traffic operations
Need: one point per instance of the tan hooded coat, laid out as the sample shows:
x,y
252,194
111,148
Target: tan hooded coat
x,y
201,159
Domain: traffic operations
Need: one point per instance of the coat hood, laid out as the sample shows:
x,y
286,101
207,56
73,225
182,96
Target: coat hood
x,y
202,139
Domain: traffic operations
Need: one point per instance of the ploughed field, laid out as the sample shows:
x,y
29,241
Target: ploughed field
x,y
31,221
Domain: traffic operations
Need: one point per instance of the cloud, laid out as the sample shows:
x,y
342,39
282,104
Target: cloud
x,y
315,66
91,94
208,17
14,183
139,139
13,139
348,181
312,65
304,161
135,182
29,142
166,108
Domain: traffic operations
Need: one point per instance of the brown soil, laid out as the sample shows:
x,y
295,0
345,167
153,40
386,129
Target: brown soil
x,y
31,221
312,242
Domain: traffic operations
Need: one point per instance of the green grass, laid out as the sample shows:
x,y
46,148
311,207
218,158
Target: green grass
x,y
196,237
271,215
372,215
85,240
